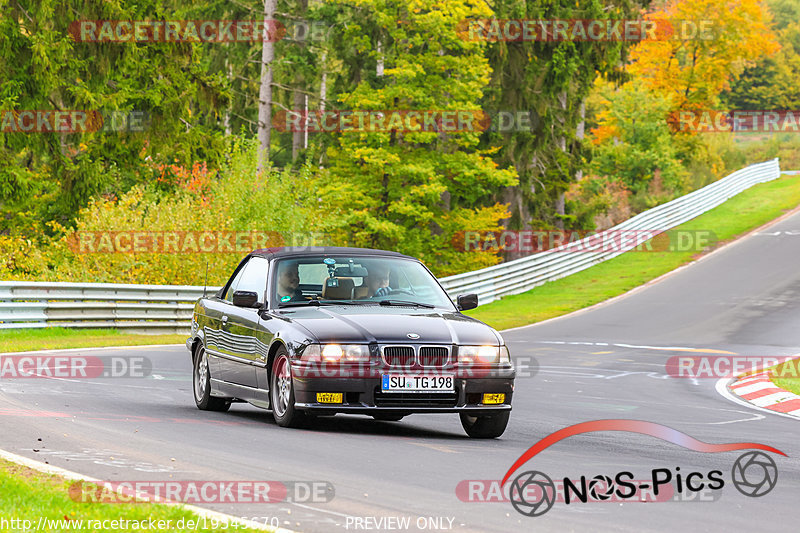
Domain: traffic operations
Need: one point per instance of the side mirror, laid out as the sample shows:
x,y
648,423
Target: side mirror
x,y
465,302
245,299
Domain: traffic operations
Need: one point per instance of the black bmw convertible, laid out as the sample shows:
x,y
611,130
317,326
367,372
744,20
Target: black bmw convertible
x,y
312,332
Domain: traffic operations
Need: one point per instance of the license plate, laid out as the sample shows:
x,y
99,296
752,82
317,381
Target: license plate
x,y
329,397
417,383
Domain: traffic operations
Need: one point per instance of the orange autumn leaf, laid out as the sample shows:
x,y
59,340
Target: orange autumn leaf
x,y
730,35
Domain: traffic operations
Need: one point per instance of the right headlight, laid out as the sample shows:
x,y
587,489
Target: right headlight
x,y
483,355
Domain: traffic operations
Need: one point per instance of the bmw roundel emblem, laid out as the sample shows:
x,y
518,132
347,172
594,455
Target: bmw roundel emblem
x,y
412,336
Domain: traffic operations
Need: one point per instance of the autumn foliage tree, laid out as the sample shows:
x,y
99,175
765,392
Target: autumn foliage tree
x,y
695,66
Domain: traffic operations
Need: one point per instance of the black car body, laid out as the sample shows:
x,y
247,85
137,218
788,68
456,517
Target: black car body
x,y
331,347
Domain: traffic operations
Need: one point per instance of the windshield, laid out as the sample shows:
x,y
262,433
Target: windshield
x,y
355,280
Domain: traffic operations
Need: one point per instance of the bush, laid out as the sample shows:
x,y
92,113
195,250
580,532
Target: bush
x,y
179,200
634,144
274,208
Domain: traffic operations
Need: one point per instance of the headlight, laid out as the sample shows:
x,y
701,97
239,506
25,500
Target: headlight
x,y
505,355
336,353
486,355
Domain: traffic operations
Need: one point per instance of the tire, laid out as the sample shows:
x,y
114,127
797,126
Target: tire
x,y
281,393
201,385
485,427
388,417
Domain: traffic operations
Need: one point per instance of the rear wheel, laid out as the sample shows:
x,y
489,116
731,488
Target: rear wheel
x,y
201,378
282,392
485,427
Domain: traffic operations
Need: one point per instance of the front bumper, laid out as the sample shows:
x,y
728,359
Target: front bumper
x,y
363,395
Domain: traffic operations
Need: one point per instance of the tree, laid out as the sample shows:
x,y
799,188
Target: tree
x,y
771,83
414,192
635,145
49,175
549,81
694,71
265,91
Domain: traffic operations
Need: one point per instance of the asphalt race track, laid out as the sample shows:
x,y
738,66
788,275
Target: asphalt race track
x,y
606,363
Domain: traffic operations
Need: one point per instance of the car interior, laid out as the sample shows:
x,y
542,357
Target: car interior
x,y
349,282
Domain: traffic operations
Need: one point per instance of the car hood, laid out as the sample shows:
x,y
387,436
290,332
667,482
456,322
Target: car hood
x,y
346,324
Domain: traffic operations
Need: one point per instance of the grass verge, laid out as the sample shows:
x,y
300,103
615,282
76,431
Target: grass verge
x,y
19,340
31,495
787,375
742,213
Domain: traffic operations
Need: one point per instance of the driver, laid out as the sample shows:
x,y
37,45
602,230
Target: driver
x,y
377,281
288,282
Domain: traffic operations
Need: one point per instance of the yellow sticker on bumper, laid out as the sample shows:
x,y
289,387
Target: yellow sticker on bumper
x,y
494,398
329,397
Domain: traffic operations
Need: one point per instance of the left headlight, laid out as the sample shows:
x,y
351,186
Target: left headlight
x,y
487,355
337,353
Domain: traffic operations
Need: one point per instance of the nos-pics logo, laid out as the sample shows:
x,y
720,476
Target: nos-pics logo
x,y
533,493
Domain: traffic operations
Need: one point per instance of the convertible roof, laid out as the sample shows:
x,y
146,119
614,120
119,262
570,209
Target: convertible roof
x,y
304,251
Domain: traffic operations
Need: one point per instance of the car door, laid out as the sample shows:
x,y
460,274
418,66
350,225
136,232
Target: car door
x,y
218,310
243,351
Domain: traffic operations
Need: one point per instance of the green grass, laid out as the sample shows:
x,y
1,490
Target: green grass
x,y
742,213
790,370
19,340
29,495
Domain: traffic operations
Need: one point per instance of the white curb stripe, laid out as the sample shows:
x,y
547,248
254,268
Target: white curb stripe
x,y
733,387
771,399
755,387
751,379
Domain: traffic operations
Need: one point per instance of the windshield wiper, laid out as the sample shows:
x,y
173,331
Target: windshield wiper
x,y
298,304
317,303
401,303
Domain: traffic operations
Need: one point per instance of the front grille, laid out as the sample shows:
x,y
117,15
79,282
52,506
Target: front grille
x,y
420,399
402,356
434,356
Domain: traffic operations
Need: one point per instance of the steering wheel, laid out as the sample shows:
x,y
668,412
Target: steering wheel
x,y
392,292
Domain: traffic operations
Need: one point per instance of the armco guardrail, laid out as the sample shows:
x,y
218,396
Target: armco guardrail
x,y
168,308
135,308
524,274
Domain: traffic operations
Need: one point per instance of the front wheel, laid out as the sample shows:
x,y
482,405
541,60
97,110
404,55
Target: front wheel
x,y
282,393
485,427
201,378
